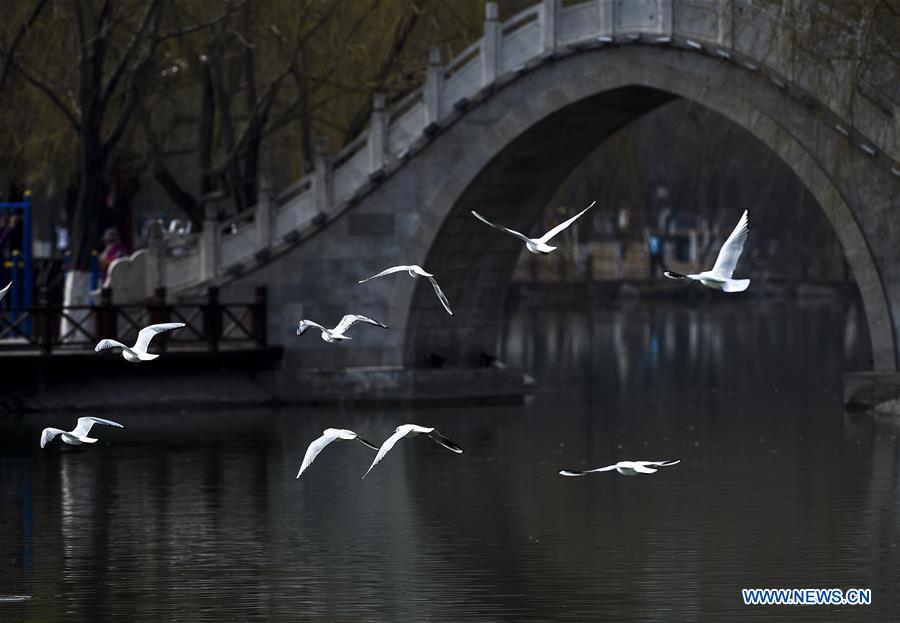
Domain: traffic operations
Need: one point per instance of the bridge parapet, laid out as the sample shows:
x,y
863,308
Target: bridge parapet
x,y
801,48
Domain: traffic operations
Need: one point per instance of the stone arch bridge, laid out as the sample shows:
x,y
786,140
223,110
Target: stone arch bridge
x,y
498,128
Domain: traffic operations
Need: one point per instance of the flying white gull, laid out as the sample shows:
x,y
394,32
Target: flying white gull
x,y
411,430
138,352
719,278
536,245
329,435
77,435
337,333
415,272
626,468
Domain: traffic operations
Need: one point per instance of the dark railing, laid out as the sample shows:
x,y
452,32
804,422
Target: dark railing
x,y
209,325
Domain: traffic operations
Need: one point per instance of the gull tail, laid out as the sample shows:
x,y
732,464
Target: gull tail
x,y
736,285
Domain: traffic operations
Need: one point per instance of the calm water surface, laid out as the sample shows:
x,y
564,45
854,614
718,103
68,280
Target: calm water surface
x,y
197,516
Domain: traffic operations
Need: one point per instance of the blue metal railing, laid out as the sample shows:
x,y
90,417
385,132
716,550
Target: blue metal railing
x,y
20,262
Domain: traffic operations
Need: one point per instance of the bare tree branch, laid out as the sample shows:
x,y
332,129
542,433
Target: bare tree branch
x,y
17,39
402,32
130,51
45,88
203,26
184,200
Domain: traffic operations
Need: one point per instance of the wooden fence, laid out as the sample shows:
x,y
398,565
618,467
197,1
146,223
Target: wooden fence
x,y
209,325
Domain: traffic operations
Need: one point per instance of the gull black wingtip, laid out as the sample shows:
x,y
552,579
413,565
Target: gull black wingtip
x,y
366,442
671,274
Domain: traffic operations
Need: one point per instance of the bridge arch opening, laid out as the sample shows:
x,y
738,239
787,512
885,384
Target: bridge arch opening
x,y
531,141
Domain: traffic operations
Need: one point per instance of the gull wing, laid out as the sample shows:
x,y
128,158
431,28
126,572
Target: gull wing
x,y
441,440
518,235
440,294
388,271
348,321
550,234
573,472
389,443
107,344
731,250
5,290
85,423
303,325
643,469
660,463
315,447
49,434
146,334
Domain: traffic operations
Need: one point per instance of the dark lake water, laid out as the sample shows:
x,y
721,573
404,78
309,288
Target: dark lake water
x,y
197,516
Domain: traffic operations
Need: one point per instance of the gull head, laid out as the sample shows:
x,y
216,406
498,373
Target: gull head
x,y
302,326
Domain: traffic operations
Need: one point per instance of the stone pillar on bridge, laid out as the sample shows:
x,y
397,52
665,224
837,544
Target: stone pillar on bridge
x,y
549,13
724,30
490,44
607,10
433,84
264,216
323,179
377,137
664,7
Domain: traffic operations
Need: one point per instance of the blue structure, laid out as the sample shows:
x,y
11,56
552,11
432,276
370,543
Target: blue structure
x,y
20,265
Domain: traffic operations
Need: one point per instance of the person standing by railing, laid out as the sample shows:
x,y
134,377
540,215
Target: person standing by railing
x,y
114,249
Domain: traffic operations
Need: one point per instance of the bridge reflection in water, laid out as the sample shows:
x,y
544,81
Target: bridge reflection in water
x,y
203,515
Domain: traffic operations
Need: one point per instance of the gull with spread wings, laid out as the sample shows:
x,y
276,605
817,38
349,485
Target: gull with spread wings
x,y
329,435
337,333
77,435
138,352
536,245
626,468
415,272
411,430
719,278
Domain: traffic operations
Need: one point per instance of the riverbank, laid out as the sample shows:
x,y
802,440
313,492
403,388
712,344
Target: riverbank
x,y
91,383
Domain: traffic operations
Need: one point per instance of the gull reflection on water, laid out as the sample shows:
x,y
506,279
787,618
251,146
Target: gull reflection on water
x,y
78,516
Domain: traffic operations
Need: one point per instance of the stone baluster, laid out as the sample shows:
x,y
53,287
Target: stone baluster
x,y
377,137
549,13
434,80
664,11
209,242
724,26
490,44
323,179
607,9
264,213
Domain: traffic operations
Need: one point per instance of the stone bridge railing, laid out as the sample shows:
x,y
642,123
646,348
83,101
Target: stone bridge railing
x,y
780,41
